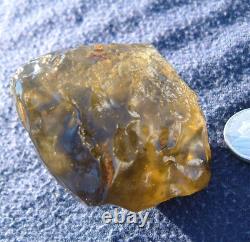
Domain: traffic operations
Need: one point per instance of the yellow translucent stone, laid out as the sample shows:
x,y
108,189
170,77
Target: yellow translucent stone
x,y
114,124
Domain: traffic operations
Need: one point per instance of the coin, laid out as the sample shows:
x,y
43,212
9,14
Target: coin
x,y
237,134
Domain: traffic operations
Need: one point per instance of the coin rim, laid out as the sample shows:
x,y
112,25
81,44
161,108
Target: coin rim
x,y
245,158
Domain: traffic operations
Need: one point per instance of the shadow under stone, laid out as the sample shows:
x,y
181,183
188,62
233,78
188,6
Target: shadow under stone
x,y
221,212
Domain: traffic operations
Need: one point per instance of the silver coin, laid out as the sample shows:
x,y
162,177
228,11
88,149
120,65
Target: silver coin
x,y
237,134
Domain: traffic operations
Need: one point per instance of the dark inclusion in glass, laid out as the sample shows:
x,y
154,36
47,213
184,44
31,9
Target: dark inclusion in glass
x,y
114,124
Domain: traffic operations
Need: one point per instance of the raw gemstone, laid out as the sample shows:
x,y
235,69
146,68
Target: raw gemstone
x,y
114,124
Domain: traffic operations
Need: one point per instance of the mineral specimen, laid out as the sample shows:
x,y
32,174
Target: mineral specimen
x,y
114,124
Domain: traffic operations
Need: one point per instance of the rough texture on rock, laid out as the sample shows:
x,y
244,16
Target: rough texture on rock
x,y
115,124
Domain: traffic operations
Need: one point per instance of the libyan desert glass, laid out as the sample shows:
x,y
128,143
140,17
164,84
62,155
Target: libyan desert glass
x,y
237,134
114,124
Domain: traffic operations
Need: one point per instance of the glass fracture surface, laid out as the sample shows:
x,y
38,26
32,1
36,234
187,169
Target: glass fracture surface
x,y
114,124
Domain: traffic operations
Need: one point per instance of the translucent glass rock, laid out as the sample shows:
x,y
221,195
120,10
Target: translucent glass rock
x,y
114,124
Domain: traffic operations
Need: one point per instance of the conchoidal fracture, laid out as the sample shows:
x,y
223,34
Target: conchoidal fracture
x,y
114,124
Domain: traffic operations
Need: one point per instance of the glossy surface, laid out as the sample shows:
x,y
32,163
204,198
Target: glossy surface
x,y
114,124
237,134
